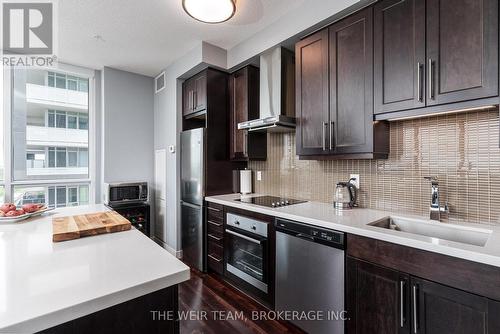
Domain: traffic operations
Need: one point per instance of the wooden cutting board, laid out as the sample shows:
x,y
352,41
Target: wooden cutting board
x,y
74,227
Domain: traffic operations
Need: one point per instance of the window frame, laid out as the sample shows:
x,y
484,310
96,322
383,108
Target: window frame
x,y
9,183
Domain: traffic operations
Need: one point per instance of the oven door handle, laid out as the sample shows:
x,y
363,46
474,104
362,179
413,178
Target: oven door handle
x,y
258,242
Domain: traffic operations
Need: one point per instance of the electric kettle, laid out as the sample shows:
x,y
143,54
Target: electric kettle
x,y
346,195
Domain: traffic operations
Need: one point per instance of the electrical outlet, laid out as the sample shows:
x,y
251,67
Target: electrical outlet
x,y
356,182
259,175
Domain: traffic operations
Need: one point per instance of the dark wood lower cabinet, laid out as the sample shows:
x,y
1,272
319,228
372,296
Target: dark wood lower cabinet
x,y
131,317
377,299
386,294
439,310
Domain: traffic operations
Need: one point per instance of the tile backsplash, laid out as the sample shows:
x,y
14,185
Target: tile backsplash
x,y
461,149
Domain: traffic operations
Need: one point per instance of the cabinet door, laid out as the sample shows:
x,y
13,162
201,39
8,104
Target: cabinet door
x,y
200,92
311,73
238,88
439,310
377,299
351,84
462,50
187,97
399,35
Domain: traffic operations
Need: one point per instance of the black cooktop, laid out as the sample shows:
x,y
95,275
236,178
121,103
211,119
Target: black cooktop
x,y
270,201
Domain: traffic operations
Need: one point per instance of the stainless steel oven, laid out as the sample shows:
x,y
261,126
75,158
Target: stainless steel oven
x,y
246,253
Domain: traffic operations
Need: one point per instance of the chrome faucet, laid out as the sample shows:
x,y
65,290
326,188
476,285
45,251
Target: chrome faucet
x,y
435,208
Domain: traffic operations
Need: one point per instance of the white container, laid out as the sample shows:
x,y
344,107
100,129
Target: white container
x,y
246,181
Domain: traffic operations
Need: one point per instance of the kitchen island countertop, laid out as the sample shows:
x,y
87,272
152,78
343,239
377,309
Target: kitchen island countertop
x,y
44,284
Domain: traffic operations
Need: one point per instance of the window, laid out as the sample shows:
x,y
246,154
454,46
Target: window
x,y
83,122
49,145
60,120
72,120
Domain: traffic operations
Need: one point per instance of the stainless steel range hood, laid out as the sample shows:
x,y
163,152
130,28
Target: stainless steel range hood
x,y
277,93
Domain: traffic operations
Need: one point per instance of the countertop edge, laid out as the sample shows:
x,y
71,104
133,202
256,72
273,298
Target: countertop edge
x,y
468,255
91,306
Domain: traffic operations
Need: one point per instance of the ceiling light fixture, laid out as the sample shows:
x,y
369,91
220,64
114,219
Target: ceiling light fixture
x,y
210,11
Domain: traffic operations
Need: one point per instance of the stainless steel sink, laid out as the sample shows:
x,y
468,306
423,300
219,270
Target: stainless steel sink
x,y
462,234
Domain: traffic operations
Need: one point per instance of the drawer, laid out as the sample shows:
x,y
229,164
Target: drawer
x,y
215,250
215,238
215,263
215,215
215,227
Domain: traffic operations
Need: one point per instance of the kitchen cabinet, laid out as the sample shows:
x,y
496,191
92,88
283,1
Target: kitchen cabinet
x,y
334,70
215,237
440,309
399,51
377,299
311,55
396,289
244,106
434,56
194,94
462,50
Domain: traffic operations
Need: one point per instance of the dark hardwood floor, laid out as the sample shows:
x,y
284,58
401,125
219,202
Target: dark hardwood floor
x,y
209,300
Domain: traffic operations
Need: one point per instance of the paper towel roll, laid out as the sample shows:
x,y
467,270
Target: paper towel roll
x,y
246,181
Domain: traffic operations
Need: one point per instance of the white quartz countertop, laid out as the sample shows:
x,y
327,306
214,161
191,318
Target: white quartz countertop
x,y
43,284
356,222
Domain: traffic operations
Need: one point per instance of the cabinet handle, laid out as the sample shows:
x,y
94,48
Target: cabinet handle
x,y
213,209
401,303
214,237
214,223
419,82
431,79
214,258
245,143
332,128
415,312
192,100
195,99
324,125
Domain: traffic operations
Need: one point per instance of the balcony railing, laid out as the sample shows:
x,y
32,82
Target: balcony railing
x,y
45,136
57,98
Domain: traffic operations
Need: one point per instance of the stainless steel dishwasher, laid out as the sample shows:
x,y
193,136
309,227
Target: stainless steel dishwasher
x,y
310,276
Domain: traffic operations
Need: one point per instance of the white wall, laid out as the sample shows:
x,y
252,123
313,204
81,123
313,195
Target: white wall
x,y
127,123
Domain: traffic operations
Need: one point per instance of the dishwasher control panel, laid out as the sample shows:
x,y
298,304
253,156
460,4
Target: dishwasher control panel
x,y
313,233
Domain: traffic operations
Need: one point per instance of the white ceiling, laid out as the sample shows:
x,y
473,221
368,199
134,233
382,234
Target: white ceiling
x,y
145,36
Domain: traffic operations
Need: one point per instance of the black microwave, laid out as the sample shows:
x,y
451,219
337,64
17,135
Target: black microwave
x,y
125,193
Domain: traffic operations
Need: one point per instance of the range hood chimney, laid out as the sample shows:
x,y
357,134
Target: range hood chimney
x,y
277,93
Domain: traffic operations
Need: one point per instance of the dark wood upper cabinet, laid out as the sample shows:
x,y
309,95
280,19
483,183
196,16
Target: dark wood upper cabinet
x,y
200,92
441,309
462,50
334,75
435,56
194,94
350,128
377,299
187,97
244,106
311,77
399,55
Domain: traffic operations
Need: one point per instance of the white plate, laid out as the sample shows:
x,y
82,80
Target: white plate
x,y
23,217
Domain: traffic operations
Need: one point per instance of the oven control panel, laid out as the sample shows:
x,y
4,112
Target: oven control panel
x,y
247,224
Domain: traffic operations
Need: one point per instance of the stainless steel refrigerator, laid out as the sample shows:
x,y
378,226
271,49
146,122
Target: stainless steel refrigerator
x,y
192,194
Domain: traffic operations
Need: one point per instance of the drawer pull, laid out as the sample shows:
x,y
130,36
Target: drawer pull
x,y
214,223
213,209
214,258
214,237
